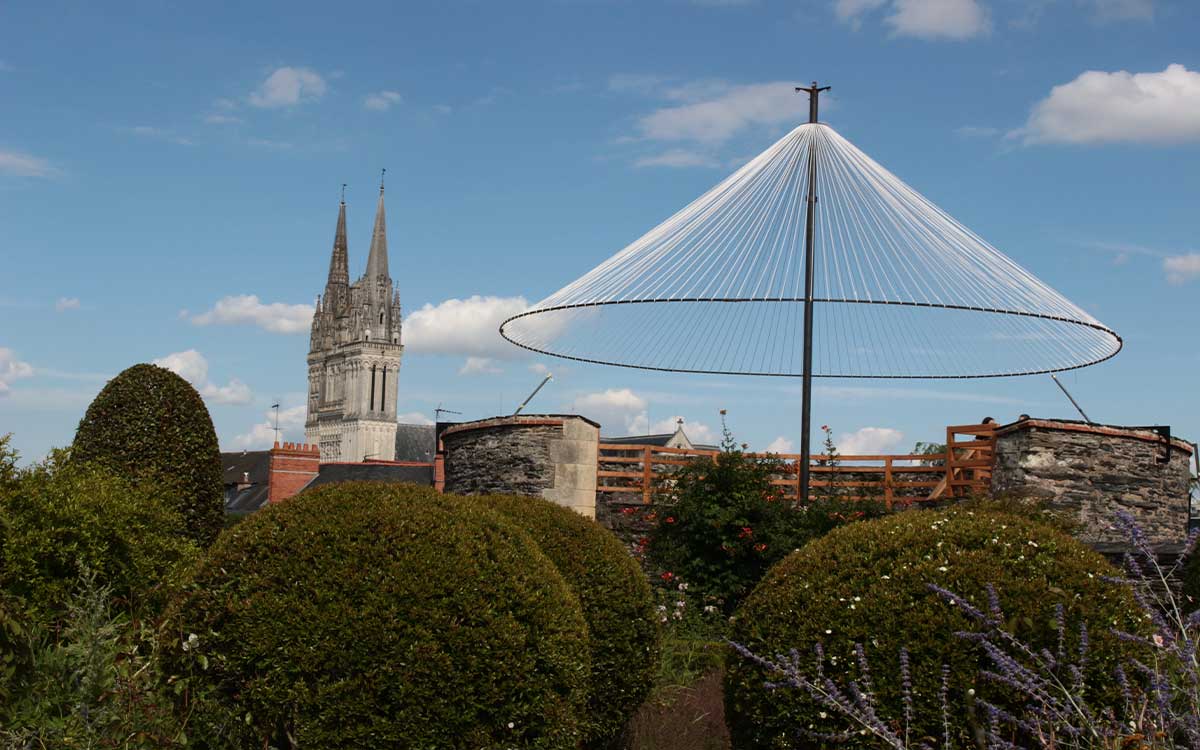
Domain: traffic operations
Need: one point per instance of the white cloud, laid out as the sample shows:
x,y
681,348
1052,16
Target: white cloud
x,y
718,118
975,131
413,417
262,435
287,87
382,101
246,309
1182,268
219,119
469,327
697,432
869,441
12,369
66,303
1100,107
851,11
676,157
19,164
780,445
934,19
861,392
620,411
158,134
479,366
616,409
193,367
1123,10
924,19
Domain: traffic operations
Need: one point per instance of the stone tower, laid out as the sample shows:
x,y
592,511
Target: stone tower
x,y
354,355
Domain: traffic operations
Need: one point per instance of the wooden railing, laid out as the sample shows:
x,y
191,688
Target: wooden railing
x,y
638,472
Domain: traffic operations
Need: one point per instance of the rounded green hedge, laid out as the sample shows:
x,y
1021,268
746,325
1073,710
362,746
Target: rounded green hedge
x,y
868,584
151,425
61,519
363,615
616,603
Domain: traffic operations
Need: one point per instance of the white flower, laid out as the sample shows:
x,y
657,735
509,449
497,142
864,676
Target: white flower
x,y
1032,543
191,642
511,725
823,715
942,569
710,609
1158,640
828,632
683,587
680,604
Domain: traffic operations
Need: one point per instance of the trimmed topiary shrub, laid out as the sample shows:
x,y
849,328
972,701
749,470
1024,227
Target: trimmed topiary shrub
x,y
615,600
366,615
60,519
868,584
151,425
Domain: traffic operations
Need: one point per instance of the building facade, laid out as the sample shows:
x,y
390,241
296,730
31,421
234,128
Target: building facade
x,y
354,354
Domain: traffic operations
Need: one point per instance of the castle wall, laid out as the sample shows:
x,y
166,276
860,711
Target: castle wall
x,y
1094,472
550,456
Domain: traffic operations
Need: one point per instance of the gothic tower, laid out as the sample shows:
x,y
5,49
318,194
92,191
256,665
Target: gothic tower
x,y
354,354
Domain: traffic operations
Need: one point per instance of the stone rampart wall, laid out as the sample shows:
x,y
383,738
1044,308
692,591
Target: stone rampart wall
x,y
552,456
1094,472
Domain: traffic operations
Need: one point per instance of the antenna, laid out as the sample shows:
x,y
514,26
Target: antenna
x,y
1072,398
535,392
275,406
343,192
439,411
382,174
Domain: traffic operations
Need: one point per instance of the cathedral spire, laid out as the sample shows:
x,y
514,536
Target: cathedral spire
x,y
377,261
339,263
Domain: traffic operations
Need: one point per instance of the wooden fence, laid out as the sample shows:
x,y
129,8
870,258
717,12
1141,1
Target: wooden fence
x,y
633,472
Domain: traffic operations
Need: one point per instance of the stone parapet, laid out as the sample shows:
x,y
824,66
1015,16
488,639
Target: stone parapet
x,y
548,455
1093,472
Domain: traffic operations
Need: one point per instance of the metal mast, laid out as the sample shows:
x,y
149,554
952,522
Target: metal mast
x,y
814,96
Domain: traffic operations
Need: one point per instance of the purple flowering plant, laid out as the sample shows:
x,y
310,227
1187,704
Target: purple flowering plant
x,y
1158,677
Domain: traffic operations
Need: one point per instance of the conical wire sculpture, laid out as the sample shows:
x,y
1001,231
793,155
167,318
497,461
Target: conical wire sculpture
x,y
903,290
899,288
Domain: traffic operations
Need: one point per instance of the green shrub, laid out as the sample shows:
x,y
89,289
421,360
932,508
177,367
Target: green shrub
x,y
366,615
868,584
615,600
90,682
60,517
150,425
723,523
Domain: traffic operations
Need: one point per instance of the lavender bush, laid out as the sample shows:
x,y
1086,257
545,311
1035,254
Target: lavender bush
x,y
1158,677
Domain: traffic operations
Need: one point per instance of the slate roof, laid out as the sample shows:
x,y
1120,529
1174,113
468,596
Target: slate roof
x,y
373,472
416,442
235,467
234,464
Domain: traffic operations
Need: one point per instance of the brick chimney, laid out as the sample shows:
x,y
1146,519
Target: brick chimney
x,y
291,467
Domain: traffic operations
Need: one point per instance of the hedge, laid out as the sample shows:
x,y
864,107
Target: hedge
x,y
616,603
150,425
868,584
364,615
60,519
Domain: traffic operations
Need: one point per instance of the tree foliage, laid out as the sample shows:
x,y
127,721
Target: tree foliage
x,y
60,517
723,523
151,426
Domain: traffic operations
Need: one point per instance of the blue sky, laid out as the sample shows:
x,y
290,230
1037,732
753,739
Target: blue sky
x,y
169,178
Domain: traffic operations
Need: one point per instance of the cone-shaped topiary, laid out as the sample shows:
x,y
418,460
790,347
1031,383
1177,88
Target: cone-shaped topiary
x,y
869,584
149,424
367,615
616,603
